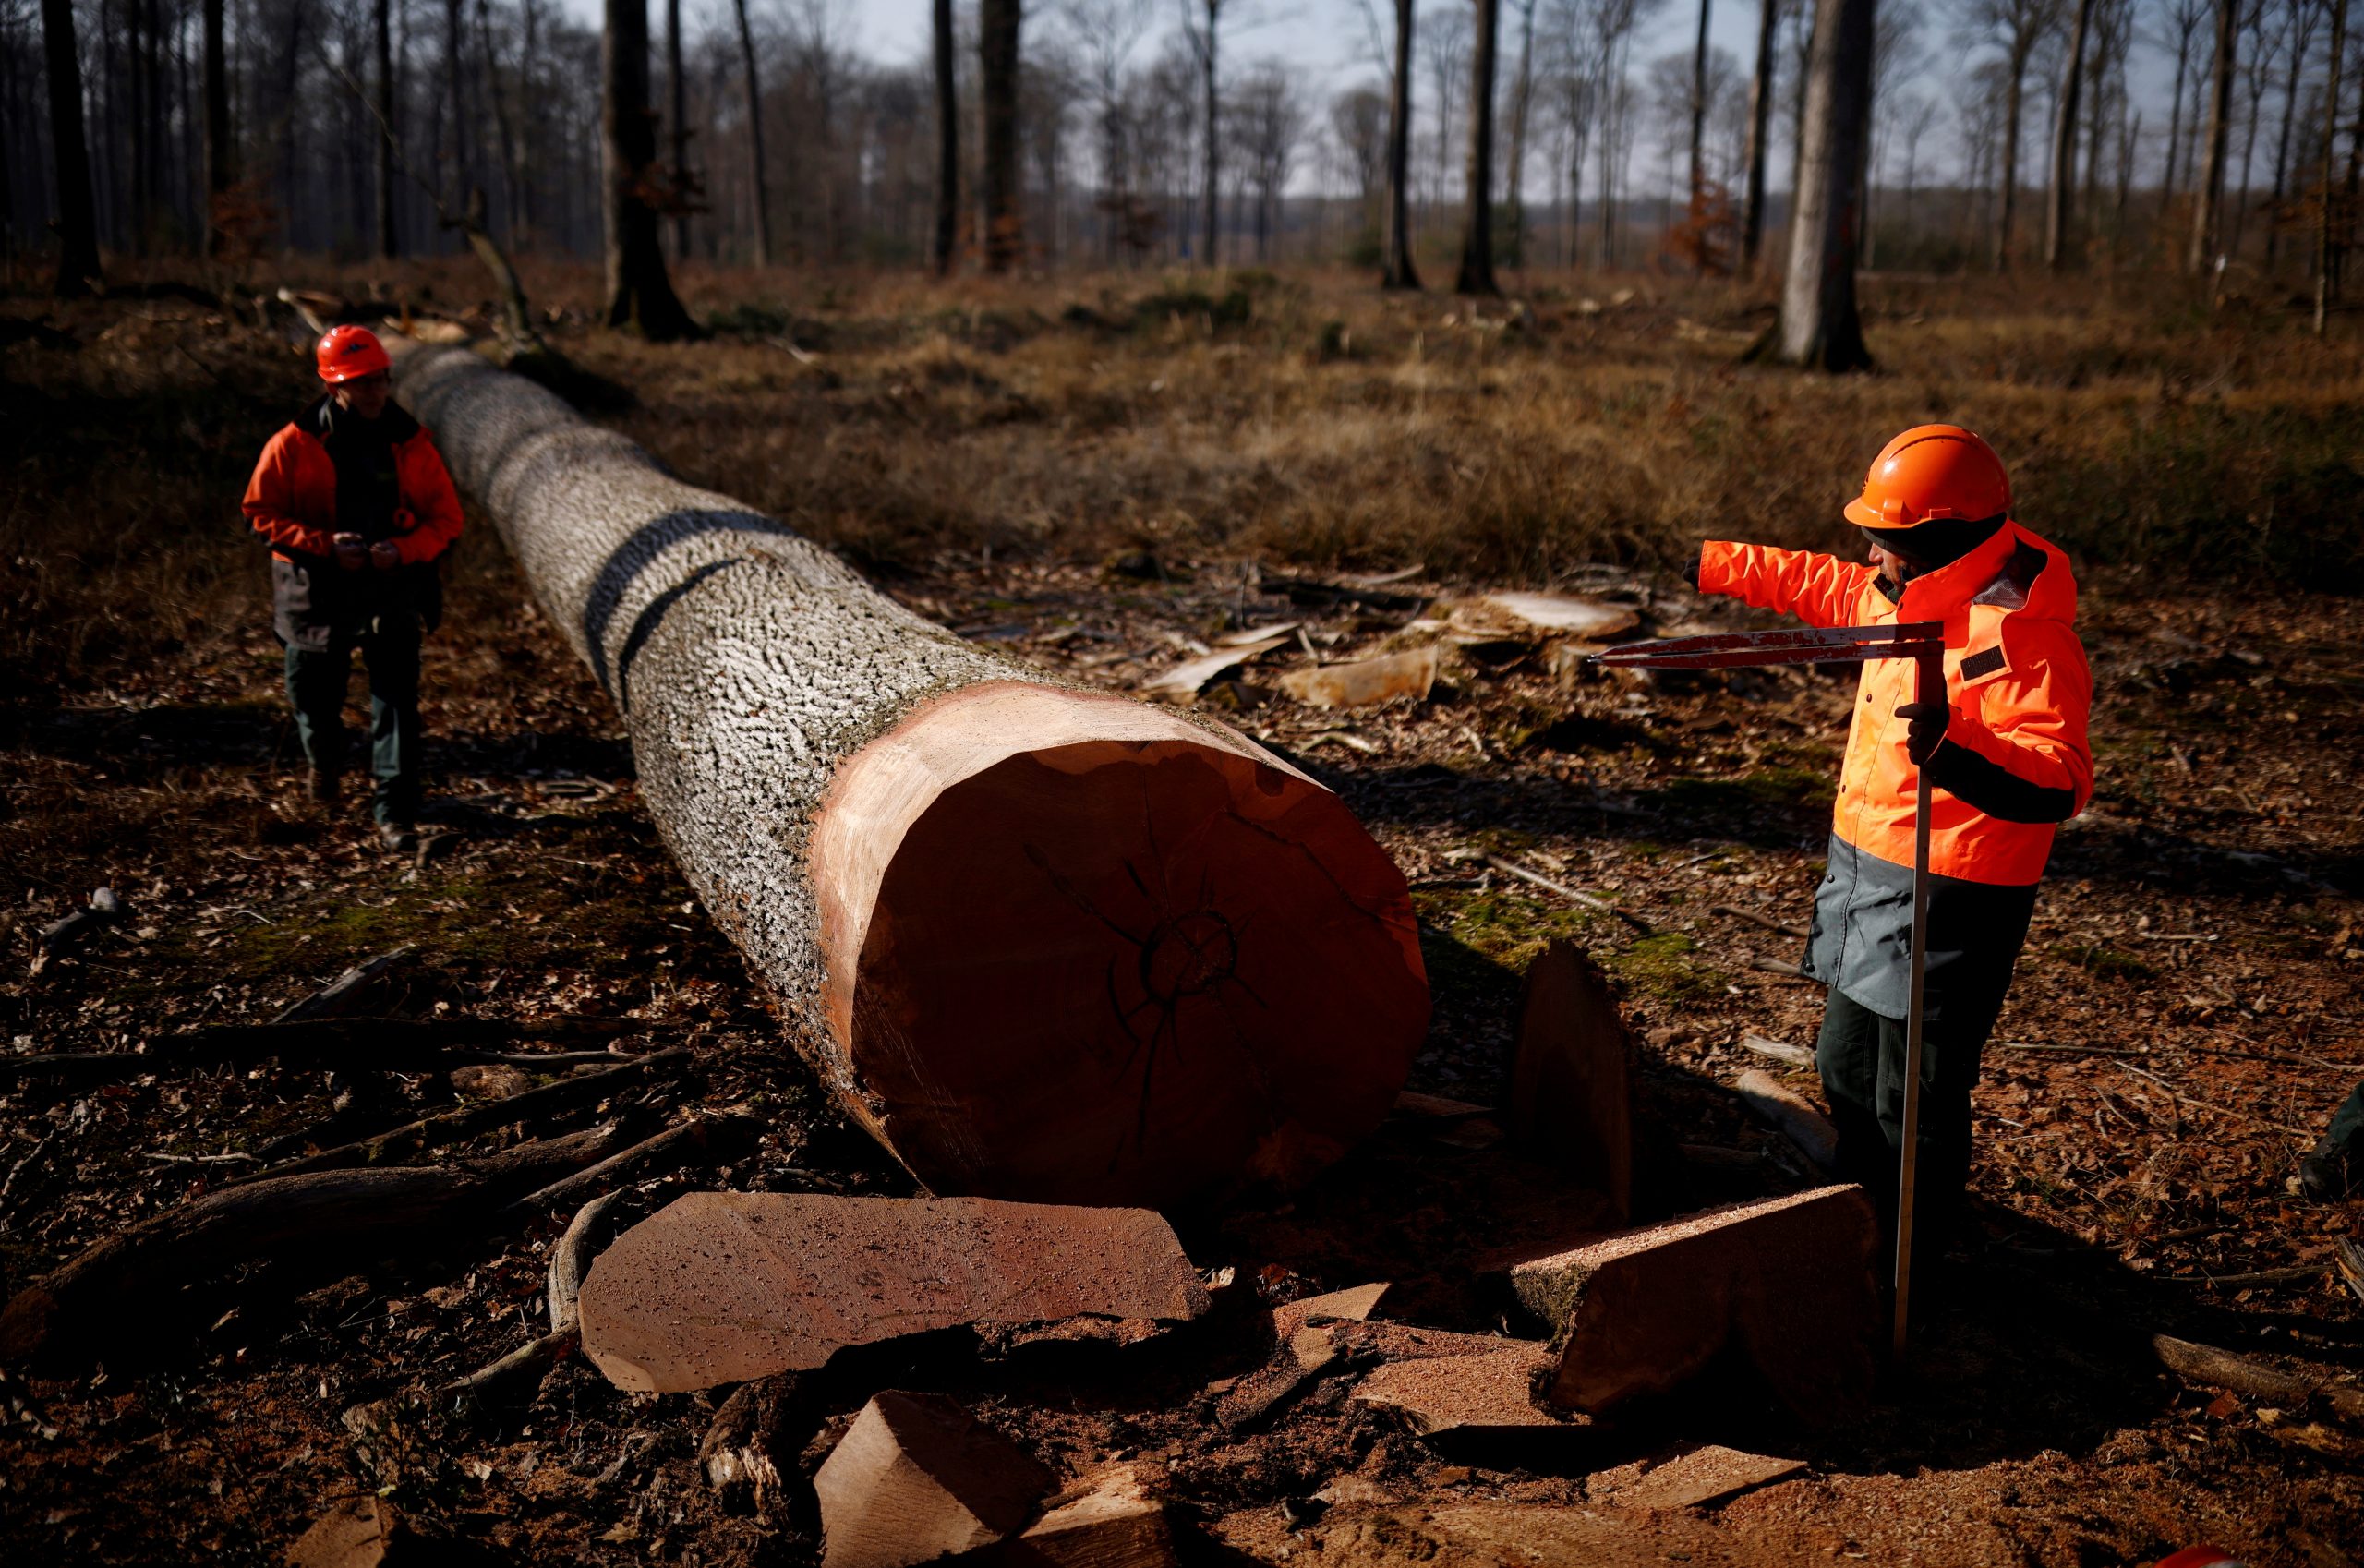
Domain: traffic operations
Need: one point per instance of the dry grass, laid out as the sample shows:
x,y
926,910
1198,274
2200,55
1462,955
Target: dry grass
x,y
1304,418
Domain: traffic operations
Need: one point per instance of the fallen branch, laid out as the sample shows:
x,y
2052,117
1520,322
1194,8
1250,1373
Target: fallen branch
x,y
2222,1369
341,1043
721,1137
2180,1098
1768,922
570,1259
344,995
413,1138
1781,967
1791,1115
1590,900
351,1209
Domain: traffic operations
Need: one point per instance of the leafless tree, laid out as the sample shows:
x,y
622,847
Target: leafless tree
x,y
1476,275
1819,327
640,295
2210,195
77,228
1522,104
947,140
1760,120
2062,177
1399,271
1699,103
1269,122
998,27
2015,27
2179,24
1104,33
2326,253
750,91
2302,16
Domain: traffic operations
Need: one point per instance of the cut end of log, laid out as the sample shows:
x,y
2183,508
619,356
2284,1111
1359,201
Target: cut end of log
x,y
1080,950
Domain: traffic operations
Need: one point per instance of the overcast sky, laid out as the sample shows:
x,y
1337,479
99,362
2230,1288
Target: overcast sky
x,y
1327,42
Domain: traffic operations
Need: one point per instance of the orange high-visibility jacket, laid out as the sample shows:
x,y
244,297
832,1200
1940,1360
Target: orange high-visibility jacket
x,y
2019,695
2015,677
290,500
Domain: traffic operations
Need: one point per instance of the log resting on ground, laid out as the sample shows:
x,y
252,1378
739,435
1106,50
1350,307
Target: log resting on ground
x,y
1043,943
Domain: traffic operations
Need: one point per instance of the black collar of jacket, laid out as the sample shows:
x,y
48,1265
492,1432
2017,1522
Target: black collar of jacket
x,y
320,419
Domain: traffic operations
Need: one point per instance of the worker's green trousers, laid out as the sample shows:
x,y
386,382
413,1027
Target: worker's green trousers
x,y
316,686
1861,1054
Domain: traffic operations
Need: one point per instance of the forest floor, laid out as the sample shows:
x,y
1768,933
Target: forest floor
x,y
1099,480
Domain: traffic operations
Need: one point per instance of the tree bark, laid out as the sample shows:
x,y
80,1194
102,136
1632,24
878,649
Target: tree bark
x,y
1522,96
1699,106
2175,119
1760,135
388,243
678,92
2326,254
1210,109
221,156
1478,230
2007,218
1197,967
1399,271
639,292
2220,128
77,221
2063,143
752,86
948,142
998,27
1818,326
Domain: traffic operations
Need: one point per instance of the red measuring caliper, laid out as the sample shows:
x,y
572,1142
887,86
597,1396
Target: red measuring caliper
x,y
1924,642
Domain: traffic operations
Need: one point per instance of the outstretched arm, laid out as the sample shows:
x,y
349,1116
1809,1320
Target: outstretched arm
x,y
1821,590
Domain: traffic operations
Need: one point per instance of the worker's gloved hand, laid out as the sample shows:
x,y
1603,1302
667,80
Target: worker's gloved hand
x,y
1928,721
1691,569
385,555
352,552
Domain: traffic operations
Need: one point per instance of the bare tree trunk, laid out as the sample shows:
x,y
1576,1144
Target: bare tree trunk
x,y
947,141
2063,143
388,242
1478,230
677,89
1213,125
77,220
1400,273
463,132
1522,95
1760,127
1818,326
2326,256
2220,128
1699,105
998,24
639,292
2175,121
753,86
2299,38
221,156
2009,214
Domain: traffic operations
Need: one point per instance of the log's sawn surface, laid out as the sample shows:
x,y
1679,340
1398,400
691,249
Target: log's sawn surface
x,y
1043,943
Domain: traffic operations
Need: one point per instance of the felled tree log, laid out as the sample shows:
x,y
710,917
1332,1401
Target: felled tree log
x,y
1042,943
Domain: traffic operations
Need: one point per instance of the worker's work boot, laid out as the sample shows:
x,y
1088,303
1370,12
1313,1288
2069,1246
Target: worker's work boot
x,y
322,788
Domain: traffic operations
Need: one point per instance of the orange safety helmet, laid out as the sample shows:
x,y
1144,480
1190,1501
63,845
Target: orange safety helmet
x,y
1932,471
347,354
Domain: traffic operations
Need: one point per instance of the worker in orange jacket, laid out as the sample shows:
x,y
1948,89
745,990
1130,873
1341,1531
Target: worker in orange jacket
x,y
2007,753
358,510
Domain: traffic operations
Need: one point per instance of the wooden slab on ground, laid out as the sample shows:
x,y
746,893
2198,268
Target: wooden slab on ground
x,y
1787,1282
1106,1521
1366,683
1564,615
1571,1097
723,1286
917,1478
1702,1476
